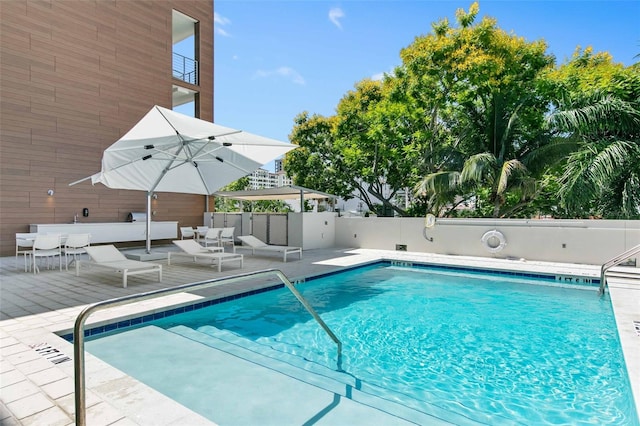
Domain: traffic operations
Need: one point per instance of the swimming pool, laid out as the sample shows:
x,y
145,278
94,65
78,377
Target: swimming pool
x,y
463,346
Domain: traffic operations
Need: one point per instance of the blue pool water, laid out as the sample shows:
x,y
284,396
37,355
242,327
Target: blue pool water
x,y
491,349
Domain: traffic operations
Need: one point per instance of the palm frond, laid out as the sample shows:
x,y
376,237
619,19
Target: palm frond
x,y
607,161
591,113
550,154
592,168
438,182
631,197
479,167
508,169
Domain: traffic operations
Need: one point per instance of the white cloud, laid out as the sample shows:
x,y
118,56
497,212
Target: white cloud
x,y
335,14
220,21
286,72
380,76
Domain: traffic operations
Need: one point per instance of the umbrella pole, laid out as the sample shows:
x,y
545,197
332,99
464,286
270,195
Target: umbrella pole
x,y
148,230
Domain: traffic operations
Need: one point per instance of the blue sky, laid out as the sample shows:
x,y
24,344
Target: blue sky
x,y
275,59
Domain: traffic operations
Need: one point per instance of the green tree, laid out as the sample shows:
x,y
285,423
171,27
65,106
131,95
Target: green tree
x,y
368,148
223,204
598,110
317,163
482,84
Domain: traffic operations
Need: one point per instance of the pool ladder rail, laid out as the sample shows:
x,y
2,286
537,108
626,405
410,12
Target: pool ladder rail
x,y
79,326
614,262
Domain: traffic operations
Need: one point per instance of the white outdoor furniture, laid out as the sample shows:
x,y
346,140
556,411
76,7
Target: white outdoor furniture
x,y
112,232
187,232
47,246
108,256
194,251
201,231
212,236
227,237
74,246
24,247
257,244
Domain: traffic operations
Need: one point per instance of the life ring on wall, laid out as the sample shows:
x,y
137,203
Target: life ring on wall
x,y
494,241
429,221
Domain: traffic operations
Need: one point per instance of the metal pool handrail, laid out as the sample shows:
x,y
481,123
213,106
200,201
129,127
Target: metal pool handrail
x,y
613,262
78,329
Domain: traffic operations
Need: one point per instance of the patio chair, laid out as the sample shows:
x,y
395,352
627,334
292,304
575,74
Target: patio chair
x,y
47,246
257,244
24,247
187,232
212,237
201,231
74,246
194,251
227,237
108,256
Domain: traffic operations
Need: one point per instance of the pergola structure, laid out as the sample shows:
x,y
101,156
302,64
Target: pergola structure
x,y
289,192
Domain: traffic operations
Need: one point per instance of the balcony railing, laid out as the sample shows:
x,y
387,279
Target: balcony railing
x,y
185,69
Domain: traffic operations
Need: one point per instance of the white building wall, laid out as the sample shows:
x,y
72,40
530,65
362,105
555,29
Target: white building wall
x,y
318,230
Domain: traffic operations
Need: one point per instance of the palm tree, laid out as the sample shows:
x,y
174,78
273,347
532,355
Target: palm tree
x,y
602,176
500,167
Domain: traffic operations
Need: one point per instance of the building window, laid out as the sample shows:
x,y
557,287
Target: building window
x,y
185,61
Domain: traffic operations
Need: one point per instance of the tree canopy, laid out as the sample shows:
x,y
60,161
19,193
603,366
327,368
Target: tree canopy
x,y
479,117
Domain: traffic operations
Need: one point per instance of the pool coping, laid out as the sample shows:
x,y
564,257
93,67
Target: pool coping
x,y
106,326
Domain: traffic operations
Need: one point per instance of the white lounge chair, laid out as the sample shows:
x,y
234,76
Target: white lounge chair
x,y
109,256
194,251
257,244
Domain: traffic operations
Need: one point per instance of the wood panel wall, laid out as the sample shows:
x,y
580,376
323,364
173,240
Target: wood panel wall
x,y
74,77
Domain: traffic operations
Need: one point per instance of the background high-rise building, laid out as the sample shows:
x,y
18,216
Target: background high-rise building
x,y
262,178
278,166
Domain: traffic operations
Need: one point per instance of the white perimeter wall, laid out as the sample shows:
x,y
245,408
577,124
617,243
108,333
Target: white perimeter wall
x,y
572,241
318,230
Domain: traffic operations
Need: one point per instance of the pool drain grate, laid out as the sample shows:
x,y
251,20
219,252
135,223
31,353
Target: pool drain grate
x,y
50,353
636,325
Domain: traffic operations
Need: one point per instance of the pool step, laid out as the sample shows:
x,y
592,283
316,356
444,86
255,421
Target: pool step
x,y
624,277
222,387
340,383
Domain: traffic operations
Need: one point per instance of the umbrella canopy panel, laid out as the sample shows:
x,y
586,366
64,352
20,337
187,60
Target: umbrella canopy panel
x,y
170,152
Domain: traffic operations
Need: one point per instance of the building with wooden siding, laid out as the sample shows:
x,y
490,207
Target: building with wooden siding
x,y
77,75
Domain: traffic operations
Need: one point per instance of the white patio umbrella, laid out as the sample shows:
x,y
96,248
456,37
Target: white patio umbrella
x,y
170,152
